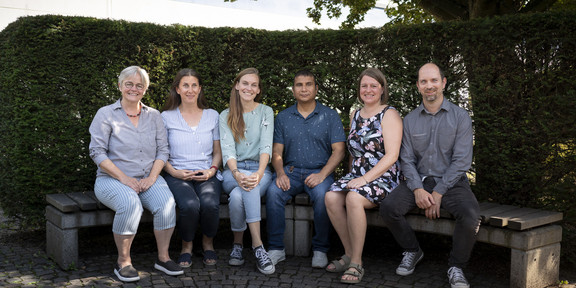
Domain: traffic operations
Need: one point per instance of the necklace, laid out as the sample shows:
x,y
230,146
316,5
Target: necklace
x,y
130,115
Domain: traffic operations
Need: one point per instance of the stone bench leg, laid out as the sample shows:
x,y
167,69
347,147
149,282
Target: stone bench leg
x,y
303,220
302,238
62,245
289,237
535,268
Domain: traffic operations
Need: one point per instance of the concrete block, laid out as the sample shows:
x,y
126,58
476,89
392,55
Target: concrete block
x,y
62,245
289,237
302,238
535,268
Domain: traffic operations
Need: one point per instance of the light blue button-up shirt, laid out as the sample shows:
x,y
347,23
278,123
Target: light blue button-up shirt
x,y
132,149
191,148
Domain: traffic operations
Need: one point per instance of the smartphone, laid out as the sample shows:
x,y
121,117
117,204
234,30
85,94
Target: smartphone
x,y
199,174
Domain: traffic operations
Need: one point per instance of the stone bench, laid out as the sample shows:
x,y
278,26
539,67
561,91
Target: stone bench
x,y
530,234
67,213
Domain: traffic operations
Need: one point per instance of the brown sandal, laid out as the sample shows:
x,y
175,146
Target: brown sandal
x,y
339,267
358,272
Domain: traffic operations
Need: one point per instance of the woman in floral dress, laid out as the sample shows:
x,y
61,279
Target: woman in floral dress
x,y
374,145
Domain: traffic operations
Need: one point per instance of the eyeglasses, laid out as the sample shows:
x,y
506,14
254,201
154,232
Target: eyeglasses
x,y
129,85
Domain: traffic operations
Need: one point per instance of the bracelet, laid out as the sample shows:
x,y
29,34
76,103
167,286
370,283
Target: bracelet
x,y
215,168
365,180
234,171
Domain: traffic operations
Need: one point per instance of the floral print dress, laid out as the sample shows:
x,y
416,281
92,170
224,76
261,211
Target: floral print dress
x,y
366,146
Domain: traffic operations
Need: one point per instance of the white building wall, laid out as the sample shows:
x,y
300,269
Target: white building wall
x,y
186,12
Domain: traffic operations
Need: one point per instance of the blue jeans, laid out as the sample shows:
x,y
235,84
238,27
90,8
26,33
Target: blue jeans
x,y
198,203
245,205
275,208
458,200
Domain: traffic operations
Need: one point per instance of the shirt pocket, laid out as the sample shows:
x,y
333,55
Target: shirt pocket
x,y
420,141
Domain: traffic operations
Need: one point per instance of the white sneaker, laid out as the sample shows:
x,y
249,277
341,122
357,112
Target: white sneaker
x,y
319,260
277,255
456,278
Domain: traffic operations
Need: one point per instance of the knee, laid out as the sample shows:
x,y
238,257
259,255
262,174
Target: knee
x,y
332,199
235,196
318,195
273,194
387,210
470,218
131,206
353,201
188,206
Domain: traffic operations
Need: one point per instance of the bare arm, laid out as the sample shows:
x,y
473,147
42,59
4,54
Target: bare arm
x,y
282,180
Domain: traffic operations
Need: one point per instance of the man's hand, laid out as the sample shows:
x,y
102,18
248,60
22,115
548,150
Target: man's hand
x,y
314,179
423,199
283,182
433,212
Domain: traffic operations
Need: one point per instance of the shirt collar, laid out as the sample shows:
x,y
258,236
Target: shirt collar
x,y
445,106
117,105
316,109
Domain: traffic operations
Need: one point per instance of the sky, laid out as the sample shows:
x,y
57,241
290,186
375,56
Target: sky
x,y
261,14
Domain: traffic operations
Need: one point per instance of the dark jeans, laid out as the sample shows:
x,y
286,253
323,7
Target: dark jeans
x,y
198,204
459,201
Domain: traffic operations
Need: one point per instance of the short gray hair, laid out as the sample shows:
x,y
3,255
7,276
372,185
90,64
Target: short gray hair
x,y
131,71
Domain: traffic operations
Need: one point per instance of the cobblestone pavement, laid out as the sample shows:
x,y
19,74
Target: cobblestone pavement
x,y
24,263
30,267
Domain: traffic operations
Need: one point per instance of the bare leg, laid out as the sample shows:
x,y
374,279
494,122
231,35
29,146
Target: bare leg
x,y
123,244
163,242
335,206
186,248
356,205
255,233
239,237
208,244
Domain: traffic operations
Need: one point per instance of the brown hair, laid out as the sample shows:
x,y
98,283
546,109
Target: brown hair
x,y
378,76
235,119
174,99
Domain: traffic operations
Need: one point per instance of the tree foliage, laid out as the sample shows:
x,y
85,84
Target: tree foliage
x,y
426,11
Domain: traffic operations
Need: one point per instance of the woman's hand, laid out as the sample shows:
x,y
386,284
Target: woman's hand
x,y
239,176
132,183
252,181
202,175
357,182
146,183
185,175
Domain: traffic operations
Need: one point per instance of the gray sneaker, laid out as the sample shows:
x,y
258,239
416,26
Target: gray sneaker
x,y
277,255
456,278
236,258
409,262
263,261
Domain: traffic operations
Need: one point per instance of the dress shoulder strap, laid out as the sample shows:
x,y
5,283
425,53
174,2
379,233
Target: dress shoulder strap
x,y
384,111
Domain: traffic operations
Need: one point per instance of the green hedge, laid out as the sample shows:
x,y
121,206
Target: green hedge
x,y
515,74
